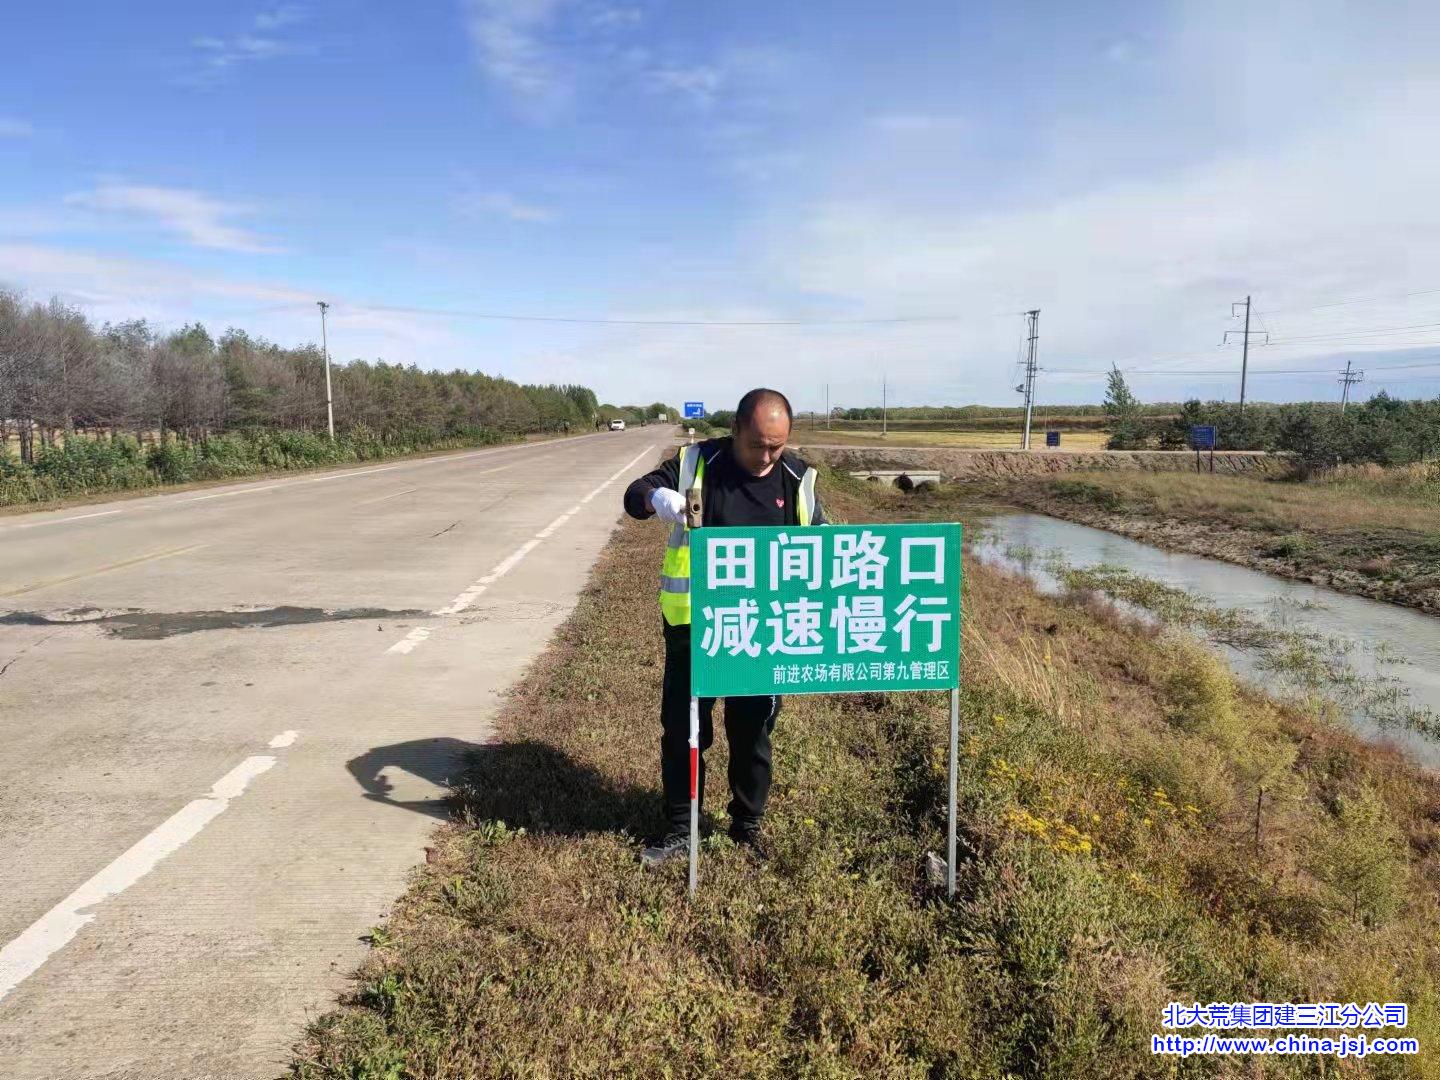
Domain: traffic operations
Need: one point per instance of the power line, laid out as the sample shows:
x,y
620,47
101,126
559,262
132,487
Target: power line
x,y
1230,374
1331,335
1357,300
461,313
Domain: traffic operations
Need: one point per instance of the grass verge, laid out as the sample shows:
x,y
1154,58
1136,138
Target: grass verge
x,y
1136,829
1365,529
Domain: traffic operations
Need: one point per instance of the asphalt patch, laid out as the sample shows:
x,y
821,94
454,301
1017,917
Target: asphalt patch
x,y
153,625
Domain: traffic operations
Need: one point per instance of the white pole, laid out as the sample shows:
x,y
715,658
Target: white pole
x,y
694,791
954,766
325,347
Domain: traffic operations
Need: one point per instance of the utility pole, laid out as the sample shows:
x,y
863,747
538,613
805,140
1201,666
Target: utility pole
x,y
1348,378
325,348
827,406
884,404
1244,345
1028,387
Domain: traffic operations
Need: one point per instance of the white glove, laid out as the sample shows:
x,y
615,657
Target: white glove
x,y
669,505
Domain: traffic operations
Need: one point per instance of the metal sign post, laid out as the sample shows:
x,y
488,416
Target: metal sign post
x,y
843,609
694,792
954,784
1202,437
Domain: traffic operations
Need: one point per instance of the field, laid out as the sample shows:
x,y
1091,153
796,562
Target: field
x,y
961,440
1363,529
1136,829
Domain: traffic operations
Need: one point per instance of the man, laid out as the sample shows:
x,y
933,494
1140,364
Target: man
x,y
747,478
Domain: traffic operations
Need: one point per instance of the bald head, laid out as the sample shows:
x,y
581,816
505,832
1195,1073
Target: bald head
x,y
762,428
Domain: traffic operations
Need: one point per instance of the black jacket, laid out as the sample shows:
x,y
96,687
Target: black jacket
x,y
792,469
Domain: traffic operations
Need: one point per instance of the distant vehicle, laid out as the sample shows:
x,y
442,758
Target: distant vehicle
x,y
617,425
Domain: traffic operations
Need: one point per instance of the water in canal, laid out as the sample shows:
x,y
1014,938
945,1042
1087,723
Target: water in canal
x,y
1411,640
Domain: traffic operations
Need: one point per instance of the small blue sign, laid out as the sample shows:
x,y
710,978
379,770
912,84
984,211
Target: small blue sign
x,y
1202,436
1052,438
694,410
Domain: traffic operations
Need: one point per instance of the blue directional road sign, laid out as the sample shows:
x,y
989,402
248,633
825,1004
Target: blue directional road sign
x,y
1202,436
694,410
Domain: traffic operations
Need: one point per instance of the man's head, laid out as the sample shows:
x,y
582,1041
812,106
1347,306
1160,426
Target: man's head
x,y
762,427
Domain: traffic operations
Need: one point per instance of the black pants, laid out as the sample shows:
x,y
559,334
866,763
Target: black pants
x,y
748,723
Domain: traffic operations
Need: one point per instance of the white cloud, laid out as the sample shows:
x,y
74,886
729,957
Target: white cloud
x,y
1138,269
279,16
699,84
196,218
614,16
168,294
216,54
1141,270
918,123
503,204
12,128
509,39
1131,256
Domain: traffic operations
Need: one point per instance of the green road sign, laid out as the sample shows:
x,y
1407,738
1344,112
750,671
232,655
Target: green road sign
x,y
835,609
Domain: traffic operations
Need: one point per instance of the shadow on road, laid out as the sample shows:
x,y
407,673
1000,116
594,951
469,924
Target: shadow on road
x,y
440,762
524,783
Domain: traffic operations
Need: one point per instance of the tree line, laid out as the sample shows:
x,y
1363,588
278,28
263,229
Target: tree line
x,y
60,375
1384,430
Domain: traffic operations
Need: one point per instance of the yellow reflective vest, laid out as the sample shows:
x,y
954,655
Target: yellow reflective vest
x,y
675,570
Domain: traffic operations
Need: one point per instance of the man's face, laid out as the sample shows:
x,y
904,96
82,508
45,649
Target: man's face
x,y
759,444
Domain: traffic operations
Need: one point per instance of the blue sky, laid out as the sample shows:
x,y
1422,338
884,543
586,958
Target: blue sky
x,y
1130,169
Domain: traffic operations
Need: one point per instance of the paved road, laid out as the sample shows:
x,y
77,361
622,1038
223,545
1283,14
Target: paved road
x,y
225,719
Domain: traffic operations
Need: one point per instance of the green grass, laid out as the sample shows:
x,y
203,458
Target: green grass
x,y
1136,829
84,465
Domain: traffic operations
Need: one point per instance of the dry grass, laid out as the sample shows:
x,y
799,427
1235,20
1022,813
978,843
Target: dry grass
x,y
962,440
1110,864
1365,530
1354,499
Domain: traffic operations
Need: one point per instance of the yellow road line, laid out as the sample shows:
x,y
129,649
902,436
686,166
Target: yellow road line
x,y
105,569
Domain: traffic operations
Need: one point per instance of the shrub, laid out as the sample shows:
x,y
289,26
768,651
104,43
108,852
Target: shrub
x,y
83,465
1362,858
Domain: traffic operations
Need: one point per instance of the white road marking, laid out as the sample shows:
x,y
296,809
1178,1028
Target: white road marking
x,y
410,640
284,739
22,957
61,521
342,475
227,494
382,498
471,594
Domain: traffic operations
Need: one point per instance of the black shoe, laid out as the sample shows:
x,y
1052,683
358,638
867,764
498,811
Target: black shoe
x,y
746,834
674,845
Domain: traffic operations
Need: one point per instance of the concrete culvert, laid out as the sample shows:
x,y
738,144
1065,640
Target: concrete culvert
x,y
927,485
904,483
